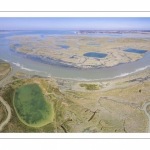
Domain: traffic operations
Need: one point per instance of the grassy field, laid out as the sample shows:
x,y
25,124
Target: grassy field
x,y
31,106
90,86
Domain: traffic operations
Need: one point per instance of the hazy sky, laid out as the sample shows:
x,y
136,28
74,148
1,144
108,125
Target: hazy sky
x,y
103,23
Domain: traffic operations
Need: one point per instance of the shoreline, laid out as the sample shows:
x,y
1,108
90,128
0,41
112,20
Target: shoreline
x,y
9,72
130,79
60,63
122,75
107,85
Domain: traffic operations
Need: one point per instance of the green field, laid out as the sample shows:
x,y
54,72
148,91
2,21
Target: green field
x,y
31,106
90,86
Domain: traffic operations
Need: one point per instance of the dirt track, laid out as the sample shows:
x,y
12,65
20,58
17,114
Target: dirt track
x,y
8,111
146,113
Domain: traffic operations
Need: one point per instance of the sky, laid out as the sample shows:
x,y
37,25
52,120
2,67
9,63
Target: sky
x,y
80,23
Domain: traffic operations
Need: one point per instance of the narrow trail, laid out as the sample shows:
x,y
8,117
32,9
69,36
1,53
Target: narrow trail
x,y
8,115
8,108
147,114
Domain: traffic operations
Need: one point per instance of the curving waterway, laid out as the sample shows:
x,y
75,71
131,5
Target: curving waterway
x,y
20,63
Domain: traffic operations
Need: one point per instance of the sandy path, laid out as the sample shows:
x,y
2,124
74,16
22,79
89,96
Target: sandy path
x,y
8,111
147,114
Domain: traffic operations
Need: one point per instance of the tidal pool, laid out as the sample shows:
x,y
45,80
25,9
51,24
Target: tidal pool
x,y
135,51
63,46
94,54
94,44
17,45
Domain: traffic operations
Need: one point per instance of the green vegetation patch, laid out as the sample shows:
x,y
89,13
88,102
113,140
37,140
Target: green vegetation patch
x,y
90,86
31,106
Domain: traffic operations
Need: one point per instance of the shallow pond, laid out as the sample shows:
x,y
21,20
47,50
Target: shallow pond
x,y
31,107
63,46
135,51
17,45
94,54
94,44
